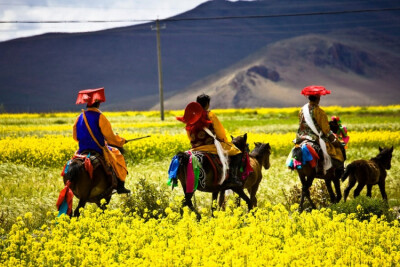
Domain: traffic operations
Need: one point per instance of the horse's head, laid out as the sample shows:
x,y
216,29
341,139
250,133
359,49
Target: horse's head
x,y
385,157
262,152
240,142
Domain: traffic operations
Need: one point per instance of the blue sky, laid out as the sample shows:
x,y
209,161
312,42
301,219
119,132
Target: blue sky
x,y
65,10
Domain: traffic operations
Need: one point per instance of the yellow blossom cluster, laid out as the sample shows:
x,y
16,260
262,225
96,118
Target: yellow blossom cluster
x,y
55,150
290,110
264,237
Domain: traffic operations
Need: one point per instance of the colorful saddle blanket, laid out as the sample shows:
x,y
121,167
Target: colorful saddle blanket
x,y
301,154
91,160
194,169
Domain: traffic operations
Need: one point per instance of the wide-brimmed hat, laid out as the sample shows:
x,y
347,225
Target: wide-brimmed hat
x,y
193,113
91,96
316,90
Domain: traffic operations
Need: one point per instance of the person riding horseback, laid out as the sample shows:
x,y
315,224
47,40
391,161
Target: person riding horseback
x,y
202,126
94,133
314,127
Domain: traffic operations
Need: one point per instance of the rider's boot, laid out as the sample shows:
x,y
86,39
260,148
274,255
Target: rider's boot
x,y
234,179
121,188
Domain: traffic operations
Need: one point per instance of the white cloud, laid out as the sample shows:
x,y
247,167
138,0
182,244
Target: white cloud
x,y
65,10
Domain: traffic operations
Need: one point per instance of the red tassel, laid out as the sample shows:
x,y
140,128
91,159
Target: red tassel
x,y
69,195
89,167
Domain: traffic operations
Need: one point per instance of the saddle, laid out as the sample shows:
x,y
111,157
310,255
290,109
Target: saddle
x,y
92,160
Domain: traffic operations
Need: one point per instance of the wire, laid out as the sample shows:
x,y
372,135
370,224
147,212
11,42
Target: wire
x,y
205,18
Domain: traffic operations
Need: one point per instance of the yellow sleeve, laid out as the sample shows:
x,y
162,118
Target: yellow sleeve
x,y
74,135
322,120
106,130
218,128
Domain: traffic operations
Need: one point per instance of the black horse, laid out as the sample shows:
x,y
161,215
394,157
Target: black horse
x,y
207,182
368,172
259,158
307,174
88,189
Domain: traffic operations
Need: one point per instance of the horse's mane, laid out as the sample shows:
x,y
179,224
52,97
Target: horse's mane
x,y
383,154
259,149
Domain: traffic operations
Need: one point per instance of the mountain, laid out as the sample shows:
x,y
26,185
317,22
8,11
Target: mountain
x,y
360,68
44,73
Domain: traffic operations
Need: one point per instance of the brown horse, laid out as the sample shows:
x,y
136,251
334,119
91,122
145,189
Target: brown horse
x,y
88,189
307,174
207,182
368,172
259,157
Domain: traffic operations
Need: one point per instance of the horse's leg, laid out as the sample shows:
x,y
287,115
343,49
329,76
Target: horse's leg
x,y
303,185
214,201
306,183
104,206
382,189
221,202
352,183
81,204
369,190
358,189
238,201
307,192
336,183
328,183
187,201
243,195
253,192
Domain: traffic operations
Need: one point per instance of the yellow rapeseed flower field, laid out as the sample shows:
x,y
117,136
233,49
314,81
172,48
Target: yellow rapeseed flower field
x,y
35,147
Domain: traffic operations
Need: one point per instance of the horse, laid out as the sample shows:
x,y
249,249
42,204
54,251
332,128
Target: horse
x,y
207,182
307,174
259,157
368,172
87,189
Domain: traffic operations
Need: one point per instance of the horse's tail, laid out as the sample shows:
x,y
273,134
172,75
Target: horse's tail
x,y
74,170
349,170
183,159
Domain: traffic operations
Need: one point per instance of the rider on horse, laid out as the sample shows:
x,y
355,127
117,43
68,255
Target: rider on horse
x,y
94,133
314,127
199,127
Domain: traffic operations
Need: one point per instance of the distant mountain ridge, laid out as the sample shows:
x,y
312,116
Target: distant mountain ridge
x,y
44,73
358,71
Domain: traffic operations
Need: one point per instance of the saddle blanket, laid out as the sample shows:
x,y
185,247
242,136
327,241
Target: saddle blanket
x,y
194,169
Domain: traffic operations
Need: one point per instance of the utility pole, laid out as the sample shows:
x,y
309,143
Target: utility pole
x,y
160,81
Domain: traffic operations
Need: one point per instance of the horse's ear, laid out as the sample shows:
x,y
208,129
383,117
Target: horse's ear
x,y
245,137
257,144
232,137
380,149
391,150
268,145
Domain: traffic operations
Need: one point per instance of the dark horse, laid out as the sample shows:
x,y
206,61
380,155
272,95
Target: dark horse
x,y
207,182
368,172
307,174
259,157
88,189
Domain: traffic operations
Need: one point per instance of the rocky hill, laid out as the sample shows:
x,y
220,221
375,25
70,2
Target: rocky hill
x,y
359,67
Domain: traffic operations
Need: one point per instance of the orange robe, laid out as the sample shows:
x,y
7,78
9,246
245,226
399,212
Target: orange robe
x,y
219,130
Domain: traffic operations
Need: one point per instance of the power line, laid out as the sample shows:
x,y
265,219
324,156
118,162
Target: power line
x,y
206,18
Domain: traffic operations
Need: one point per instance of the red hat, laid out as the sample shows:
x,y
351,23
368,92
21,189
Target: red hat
x,y
193,113
315,90
90,96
